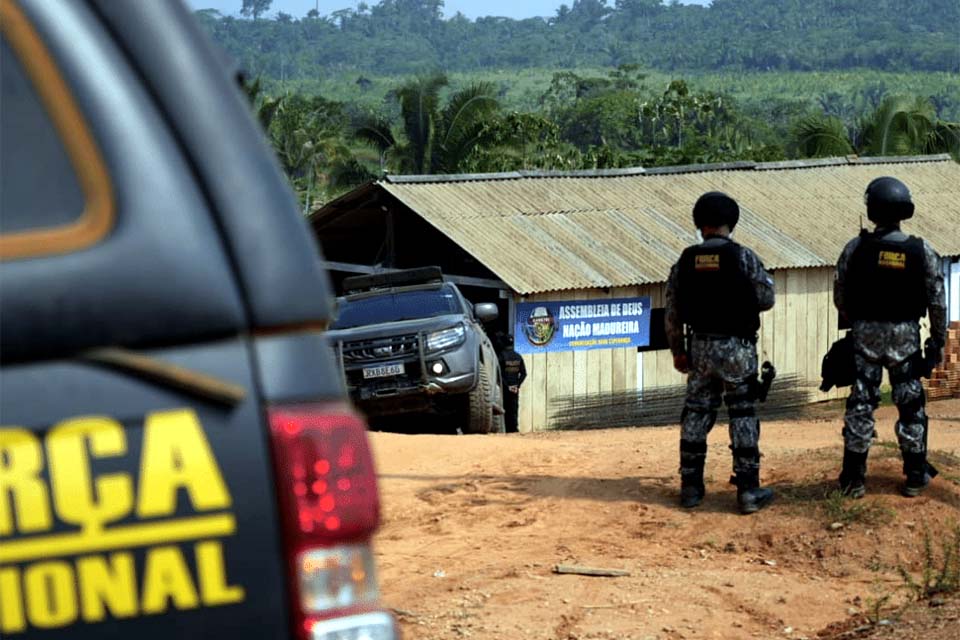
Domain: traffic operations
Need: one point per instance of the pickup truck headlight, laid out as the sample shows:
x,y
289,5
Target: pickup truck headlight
x,y
440,340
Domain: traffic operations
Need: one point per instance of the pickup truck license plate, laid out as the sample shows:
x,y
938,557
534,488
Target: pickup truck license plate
x,y
383,371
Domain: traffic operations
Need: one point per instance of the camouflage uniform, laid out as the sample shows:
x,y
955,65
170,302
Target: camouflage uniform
x,y
719,365
890,344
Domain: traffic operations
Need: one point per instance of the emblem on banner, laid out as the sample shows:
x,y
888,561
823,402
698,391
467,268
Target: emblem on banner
x,y
540,327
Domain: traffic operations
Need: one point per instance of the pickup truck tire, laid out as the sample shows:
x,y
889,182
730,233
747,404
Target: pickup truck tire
x,y
499,419
480,418
499,424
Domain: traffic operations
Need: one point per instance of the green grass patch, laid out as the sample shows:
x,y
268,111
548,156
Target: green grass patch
x,y
825,502
940,568
837,507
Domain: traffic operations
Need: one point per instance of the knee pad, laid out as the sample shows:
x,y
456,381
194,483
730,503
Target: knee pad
x,y
693,446
738,398
743,412
748,453
912,412
914,405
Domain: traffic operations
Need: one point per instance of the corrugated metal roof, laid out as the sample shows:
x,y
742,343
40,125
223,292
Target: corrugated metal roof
x,y
544,232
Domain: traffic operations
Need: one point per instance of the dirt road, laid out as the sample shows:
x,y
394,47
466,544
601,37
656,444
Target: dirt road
x,y
473,526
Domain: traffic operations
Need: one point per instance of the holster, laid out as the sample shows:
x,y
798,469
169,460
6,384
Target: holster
x,y
839,366
767,375
927,362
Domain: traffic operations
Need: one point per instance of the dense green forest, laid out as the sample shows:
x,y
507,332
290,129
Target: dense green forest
x,y
582,121
411,36
338,116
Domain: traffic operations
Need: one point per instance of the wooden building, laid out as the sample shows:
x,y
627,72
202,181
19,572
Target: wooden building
x,y
545,236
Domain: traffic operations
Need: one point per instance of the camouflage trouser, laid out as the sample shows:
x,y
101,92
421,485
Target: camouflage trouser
x,y
908,395
726,367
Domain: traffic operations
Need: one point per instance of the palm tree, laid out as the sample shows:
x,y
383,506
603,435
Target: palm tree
x,y
899,125
436,139
463,124
820,136
419,101
265,107
377,132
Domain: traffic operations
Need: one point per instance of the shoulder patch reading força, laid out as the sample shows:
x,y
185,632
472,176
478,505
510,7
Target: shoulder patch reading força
x,y
892,260
709,262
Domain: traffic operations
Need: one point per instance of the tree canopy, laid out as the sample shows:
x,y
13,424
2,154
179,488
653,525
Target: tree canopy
x,y
411,36
349,96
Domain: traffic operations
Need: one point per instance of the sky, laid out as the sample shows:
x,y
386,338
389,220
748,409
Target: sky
x,y
469,8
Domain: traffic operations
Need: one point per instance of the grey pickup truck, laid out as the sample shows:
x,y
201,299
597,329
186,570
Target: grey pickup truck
x,y
178,455
410,343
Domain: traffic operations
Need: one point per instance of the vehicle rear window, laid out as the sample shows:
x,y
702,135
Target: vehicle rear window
x,y
38,187
394,307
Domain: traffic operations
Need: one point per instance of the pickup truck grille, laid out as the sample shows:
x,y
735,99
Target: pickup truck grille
x,y
381,349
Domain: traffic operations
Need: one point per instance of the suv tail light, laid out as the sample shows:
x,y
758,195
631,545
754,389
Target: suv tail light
x,y
330,508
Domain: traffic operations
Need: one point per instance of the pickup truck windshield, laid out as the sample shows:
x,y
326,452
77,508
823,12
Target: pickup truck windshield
x,y
394,307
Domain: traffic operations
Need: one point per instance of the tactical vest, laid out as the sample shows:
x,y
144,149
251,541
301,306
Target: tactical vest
x,y
512,365
715,296
885,280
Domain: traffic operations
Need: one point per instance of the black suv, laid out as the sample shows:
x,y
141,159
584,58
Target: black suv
x,y
408,342
178,456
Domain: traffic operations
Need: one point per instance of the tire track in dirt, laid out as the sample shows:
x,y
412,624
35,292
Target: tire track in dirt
x,y
473,526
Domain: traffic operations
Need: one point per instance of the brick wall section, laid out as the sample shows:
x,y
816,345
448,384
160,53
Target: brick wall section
x,y
945,382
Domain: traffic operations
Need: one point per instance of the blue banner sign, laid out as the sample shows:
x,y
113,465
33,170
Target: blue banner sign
x,y
579,325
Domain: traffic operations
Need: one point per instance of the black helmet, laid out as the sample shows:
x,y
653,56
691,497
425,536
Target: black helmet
x,y
714,209
888,200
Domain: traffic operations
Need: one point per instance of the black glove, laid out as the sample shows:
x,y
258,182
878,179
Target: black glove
x,y
932,356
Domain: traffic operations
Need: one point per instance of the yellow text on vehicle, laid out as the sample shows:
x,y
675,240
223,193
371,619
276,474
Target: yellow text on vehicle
x,y
67,536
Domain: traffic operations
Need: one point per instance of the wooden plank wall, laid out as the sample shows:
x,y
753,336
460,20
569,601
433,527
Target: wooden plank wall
x,y
794,336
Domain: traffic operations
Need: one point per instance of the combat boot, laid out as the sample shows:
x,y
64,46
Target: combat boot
x,y
692,490
917,471
751,497
692,458
853,474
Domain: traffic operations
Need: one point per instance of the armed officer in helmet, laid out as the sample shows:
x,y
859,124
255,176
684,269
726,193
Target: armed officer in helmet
x,y
514,373
885,282
717,290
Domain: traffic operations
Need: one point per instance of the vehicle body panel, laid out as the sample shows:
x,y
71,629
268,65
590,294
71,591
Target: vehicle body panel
x,y
252,554
208,270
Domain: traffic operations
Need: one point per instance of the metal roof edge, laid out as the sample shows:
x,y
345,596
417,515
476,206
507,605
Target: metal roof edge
x,y
740,165
811,163
808,163
451,177
584,173
513,175
937,157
